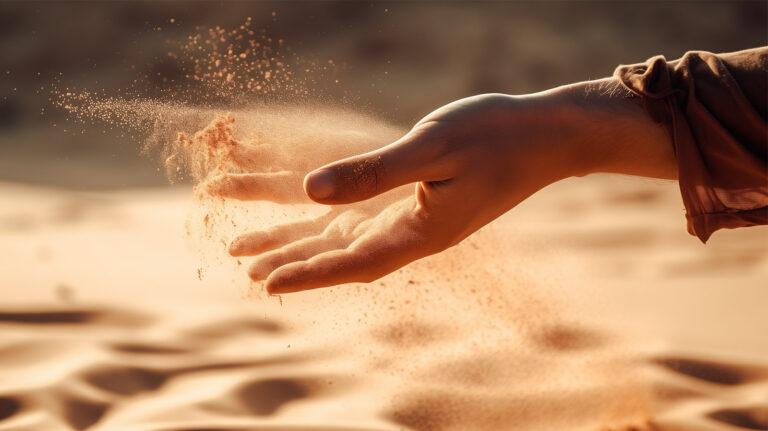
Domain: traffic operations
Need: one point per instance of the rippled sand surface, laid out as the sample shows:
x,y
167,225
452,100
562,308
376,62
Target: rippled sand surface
x,y
587,308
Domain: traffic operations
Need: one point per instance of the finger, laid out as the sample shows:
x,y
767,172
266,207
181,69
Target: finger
x,y
300,250
279,187
418,156
253,243
366,259
254,157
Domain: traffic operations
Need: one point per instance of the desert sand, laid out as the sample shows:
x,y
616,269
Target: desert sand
x,y
588,307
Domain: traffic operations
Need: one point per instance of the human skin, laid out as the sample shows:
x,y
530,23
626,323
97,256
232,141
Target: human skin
x,y
471,161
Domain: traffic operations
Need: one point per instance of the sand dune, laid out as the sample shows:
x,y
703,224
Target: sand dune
x,y
587,308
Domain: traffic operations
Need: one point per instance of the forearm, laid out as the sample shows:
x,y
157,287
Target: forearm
x,y
606,130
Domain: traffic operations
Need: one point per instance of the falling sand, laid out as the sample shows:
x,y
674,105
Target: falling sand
x,y
478,337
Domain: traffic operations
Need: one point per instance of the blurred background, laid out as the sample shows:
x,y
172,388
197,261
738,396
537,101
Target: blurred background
x,y
587,307
399,60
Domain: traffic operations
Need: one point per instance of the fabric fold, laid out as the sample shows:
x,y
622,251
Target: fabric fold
x,y
714,107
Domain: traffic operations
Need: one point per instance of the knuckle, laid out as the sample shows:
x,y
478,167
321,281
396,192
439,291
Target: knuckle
x,y
369,174
363,176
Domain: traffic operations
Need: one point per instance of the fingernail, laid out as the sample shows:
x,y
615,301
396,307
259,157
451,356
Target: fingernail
x,y
257,273
272,287
320,184
272,290
277,284
235,246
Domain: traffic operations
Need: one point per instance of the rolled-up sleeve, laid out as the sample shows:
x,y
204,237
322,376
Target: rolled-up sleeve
x,y
714,106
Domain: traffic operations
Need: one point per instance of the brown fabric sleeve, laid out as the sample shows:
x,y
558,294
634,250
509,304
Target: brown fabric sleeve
x,y
715,109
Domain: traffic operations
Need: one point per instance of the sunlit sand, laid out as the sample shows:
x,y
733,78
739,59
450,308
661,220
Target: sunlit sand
x,y
568,313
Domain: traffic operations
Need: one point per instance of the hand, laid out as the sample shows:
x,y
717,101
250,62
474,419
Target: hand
x,y
465,162
471,160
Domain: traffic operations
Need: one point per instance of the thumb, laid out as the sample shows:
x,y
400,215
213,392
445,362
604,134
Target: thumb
x,y
408,160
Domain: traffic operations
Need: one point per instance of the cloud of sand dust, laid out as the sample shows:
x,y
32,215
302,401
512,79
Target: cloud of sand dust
x,y
243,104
